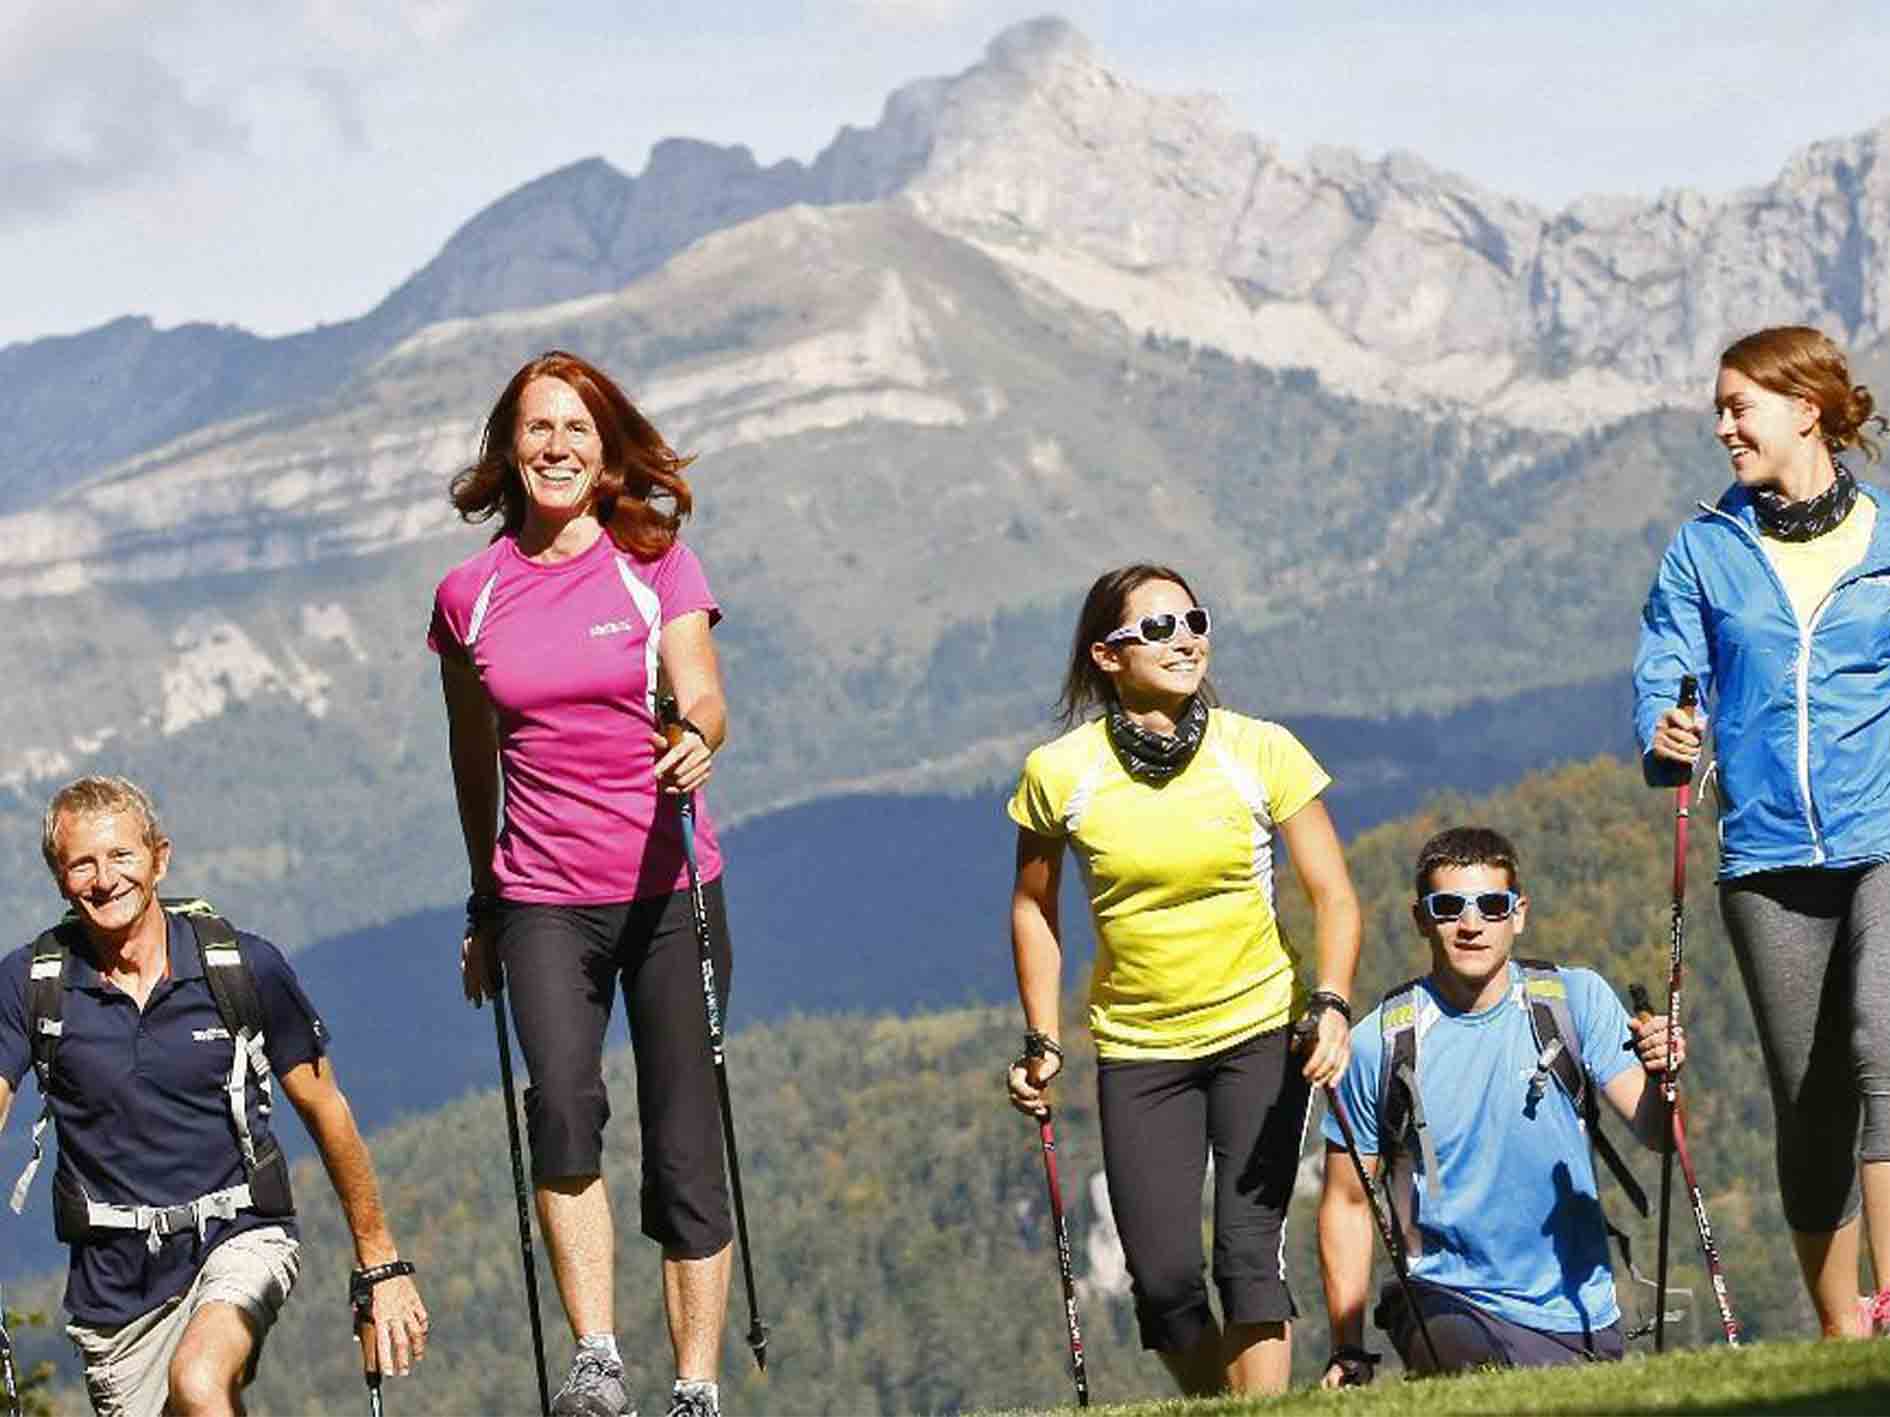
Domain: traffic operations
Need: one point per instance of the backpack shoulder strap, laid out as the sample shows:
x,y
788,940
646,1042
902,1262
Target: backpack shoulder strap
x,y
46,1000
225,969
1401,1111
232,985
1558,1053
1397,1028
45,1025
1558,1047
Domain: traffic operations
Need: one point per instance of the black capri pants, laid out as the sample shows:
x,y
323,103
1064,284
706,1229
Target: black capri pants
x,y
562,966
1160,1119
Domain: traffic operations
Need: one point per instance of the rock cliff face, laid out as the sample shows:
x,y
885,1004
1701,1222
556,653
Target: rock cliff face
x,y
1390,278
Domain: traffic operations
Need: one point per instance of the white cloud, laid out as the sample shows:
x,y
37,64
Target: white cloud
x,y
87,105
112,96
904,14
348,30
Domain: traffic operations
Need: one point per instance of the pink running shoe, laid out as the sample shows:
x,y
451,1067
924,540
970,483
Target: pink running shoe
x,y
1873,1314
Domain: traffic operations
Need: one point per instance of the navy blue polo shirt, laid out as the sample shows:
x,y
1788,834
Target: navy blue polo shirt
x,y
140,1111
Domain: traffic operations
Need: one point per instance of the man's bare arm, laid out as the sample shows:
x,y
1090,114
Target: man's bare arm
x,y
400,1319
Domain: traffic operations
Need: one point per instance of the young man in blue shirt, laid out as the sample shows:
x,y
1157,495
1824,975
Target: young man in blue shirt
x,y
1507,1248
182,1231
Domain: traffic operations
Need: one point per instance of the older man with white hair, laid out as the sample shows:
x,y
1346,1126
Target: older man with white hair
x,y
157,1035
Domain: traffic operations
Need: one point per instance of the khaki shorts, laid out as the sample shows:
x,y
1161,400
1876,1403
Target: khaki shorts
x,y
127,1369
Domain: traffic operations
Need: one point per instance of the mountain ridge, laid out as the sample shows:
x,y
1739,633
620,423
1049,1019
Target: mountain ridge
x,y
1392,278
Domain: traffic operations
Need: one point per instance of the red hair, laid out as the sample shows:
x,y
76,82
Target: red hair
x,y
641,496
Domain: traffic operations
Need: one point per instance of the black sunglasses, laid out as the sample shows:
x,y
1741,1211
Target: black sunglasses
x,y
1450,905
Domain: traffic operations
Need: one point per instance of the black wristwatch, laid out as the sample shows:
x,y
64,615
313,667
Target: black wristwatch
x,y
1317,1002
1320,1000
1357,1366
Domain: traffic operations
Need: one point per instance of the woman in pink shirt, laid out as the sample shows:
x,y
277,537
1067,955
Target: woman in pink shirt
x,y
551,643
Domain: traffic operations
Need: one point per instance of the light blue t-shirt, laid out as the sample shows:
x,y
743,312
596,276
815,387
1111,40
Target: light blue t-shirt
x,y
1516,1227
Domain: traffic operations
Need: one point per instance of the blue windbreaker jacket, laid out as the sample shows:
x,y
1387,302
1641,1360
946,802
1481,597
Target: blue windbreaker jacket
x,y
1801,717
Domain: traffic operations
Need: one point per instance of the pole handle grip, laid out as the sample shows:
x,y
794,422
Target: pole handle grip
x,y
1689,691
670,717
1643,1004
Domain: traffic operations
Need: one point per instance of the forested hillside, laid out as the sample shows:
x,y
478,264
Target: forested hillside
x,y
898,1204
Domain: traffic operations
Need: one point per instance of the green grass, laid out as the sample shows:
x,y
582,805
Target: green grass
x,y
1807,1378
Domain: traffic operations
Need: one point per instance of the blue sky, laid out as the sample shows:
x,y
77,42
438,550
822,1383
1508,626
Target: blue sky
x,y
285,162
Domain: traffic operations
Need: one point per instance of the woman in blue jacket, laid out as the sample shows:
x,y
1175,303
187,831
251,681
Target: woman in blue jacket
x,y
1778,599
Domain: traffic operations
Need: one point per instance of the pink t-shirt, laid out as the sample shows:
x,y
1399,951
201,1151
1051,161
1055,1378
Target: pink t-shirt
x,y
567,654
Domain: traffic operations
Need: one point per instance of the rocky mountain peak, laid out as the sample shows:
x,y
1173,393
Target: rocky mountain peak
x,y
1039,47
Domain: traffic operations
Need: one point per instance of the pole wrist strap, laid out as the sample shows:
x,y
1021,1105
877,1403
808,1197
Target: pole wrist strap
x,y
361,1284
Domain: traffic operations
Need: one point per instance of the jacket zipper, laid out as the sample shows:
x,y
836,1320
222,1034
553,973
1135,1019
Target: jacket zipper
x,y
1863,570
1804,723
1801,679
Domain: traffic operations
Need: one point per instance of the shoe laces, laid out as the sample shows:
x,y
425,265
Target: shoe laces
x,y
693,1404
588,1368
1875,1312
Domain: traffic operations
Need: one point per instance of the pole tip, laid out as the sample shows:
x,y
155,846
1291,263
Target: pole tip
x,y
758,1340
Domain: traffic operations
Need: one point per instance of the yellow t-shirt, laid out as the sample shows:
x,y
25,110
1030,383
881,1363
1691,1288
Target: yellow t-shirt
x,y
1189,956
1810,568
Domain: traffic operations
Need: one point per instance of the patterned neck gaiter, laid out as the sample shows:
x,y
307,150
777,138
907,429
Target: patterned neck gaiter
x,y
1158,756
1807,520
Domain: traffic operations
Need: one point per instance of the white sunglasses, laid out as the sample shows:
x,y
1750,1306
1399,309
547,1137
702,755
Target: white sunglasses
x,y
1160,629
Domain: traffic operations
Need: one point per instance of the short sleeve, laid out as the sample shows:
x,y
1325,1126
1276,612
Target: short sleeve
x,y
1603,1025
1358,1088
1290,776
444,638
296,1033
16,1052
1034,806
681,585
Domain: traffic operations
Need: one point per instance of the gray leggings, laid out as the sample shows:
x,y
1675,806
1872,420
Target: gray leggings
x,y
1814,948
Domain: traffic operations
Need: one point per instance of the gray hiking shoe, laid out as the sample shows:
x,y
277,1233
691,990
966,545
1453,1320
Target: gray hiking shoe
x,y
593,1388
693,1402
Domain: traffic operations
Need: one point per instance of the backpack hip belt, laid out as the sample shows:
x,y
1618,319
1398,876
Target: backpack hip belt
x,y
159,1221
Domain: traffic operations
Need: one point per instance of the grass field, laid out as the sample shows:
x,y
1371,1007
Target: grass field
x,y
1837,1378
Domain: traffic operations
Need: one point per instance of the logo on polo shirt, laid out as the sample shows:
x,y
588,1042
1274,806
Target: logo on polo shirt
x,y
209,1035
613,627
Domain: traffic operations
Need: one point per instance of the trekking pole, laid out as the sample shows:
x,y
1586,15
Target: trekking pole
x,y
361,1286
712,1005
361,1308
1675,1141
1677,1144
518,1187
1669,1089
1079,1374
1393,1246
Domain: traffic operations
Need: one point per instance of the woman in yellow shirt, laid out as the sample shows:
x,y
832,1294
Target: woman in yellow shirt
x,y
1170,804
